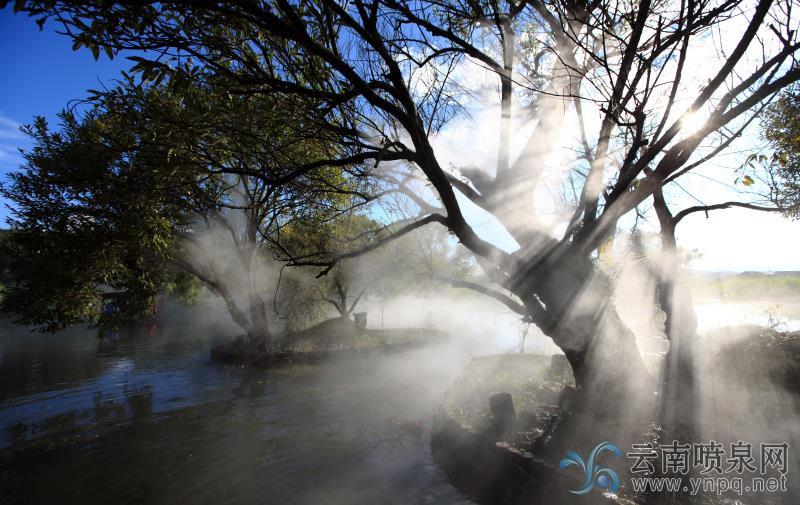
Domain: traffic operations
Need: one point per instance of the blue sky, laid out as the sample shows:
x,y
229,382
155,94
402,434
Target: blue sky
x,y
40,75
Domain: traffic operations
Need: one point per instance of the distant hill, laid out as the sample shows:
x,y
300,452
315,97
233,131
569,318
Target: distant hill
x,y
746,285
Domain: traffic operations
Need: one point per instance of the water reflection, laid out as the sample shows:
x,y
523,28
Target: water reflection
x,y
151,420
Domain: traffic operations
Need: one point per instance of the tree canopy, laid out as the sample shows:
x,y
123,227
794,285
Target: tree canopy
x,y
129,191
782,131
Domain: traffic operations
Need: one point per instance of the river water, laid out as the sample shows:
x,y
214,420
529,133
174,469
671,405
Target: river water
x,y
151,420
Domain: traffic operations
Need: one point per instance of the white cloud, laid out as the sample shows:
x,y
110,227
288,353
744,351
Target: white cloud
x,y
11,140
9,129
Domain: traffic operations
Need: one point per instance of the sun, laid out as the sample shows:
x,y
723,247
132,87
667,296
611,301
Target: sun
x,y
692,123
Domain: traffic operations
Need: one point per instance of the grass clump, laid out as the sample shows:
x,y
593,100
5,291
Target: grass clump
x,y
529,378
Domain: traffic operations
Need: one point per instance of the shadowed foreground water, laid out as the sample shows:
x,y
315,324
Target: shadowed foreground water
x,y
152,420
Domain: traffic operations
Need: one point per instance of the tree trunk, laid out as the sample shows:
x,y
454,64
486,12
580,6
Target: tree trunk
x,y
258,335
580,317
571,301
343,312
253,319
679,401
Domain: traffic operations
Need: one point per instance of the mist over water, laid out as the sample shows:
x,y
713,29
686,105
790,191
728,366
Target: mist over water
x,y
713,314
151,419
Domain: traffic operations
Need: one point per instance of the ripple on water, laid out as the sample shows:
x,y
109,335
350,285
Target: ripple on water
x,y
153,420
